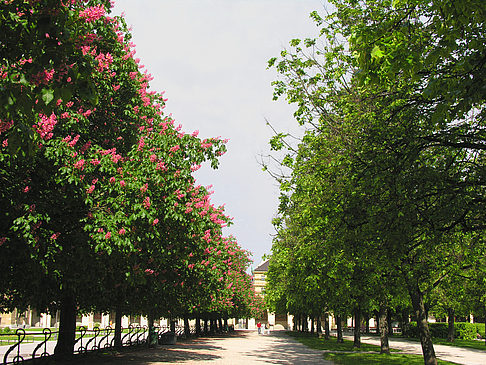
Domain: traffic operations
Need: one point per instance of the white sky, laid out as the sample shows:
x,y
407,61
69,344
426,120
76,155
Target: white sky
x,y
210,56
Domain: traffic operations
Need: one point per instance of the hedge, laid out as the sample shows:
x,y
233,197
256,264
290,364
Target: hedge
x,y
462,330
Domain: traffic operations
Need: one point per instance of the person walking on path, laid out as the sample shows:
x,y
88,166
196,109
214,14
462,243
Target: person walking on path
x,y
259,326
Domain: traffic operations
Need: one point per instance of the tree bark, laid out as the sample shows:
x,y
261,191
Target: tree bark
x,y
198,326
327,330
312,325
206,329
319,326
357,328
377,316
67,329
383,328
424,332
389,322
367,323
339,324
187,329
450,320
152,334
118,329
220,325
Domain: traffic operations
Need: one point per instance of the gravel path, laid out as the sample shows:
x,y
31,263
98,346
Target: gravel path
x,y
241,347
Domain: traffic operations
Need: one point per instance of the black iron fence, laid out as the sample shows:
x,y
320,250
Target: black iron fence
x,y
22,345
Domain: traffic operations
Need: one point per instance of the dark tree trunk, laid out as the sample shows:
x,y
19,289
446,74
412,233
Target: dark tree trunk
x,y
152,334
423,326
198,326
319,327
383,328
172,325
220,324
389,322
67,328
357,328
226,328
405,321
206,329
118,329
339,324
212,326
312,325
367,322
327,330
377,316
450,329
187,329
296,323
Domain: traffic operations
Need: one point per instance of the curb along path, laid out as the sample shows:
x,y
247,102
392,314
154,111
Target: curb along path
x,y
241,347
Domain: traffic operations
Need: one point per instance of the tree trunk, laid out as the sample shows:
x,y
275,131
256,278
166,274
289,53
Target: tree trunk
x,y
404,324
187,329
295,323
339,324
206,330
450,330
312,325
198,326
226,328
172,325
423,326
389,322
118,329
357,328
367,322
327,330
319,327
220,325
377,316
383,328
153,339
67,328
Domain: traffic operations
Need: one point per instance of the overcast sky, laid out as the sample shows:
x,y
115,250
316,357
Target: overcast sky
x,y
210,57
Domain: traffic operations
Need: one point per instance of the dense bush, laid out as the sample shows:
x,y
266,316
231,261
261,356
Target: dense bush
x,y
465,330
462,330
481,329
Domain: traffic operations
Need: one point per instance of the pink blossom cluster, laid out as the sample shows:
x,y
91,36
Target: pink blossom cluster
x,y
5,126
92,13
104,61
45,126
43,77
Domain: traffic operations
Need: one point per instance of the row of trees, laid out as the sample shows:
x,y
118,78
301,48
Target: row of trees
x,y
384,205
99,207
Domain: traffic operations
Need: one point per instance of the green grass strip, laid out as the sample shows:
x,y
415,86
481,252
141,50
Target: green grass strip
x,y
314,342
378,359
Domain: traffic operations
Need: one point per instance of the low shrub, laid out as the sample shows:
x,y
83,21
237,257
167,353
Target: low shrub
x,y
480,329
465,330
462,330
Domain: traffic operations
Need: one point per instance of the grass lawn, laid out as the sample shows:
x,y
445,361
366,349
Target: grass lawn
x,y
337,352
378,359
330,345
472,344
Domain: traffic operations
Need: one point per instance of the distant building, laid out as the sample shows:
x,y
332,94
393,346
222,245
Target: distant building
x,y
276,320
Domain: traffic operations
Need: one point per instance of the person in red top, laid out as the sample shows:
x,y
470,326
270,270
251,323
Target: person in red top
x,y
259,326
